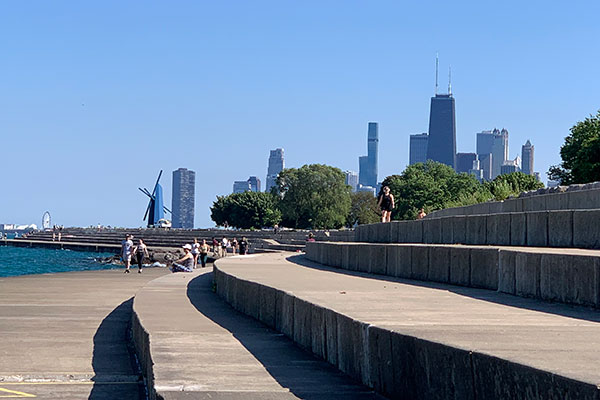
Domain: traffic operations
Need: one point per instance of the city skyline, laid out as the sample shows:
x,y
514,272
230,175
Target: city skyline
x,y
217,96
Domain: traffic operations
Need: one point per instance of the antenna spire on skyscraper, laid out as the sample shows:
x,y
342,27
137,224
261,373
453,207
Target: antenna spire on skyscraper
x,y
449,80
437,61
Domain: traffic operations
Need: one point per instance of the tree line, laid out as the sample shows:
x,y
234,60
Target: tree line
x,y
315,196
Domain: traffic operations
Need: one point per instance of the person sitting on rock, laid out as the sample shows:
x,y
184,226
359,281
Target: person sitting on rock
x,y
185,263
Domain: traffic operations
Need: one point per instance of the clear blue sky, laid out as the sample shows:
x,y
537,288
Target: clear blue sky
x,y
97,97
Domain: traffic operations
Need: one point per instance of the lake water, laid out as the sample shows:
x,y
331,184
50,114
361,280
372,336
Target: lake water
x,y
23,261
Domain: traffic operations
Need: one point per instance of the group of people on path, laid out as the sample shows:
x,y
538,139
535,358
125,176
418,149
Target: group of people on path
x,y
220,248
192,253
128,250
386,203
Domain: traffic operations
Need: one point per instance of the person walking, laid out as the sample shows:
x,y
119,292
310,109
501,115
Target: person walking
x,y
126,251
195,252
386,203
141,251
244,245
224,245
203,253
234,245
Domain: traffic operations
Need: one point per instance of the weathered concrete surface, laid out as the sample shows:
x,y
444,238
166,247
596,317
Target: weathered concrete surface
x,y
586,229
518,272
446,341
537,228
65,335
560,228
203,349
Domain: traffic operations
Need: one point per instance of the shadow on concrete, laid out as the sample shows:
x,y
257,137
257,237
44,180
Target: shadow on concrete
x,y
306,376
115,370
565,310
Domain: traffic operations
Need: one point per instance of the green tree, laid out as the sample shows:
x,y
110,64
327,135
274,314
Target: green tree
x,y
512,184
432,186
364,209
313,196
580,154
246,210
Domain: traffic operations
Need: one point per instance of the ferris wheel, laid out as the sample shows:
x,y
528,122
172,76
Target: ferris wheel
x,y
46,220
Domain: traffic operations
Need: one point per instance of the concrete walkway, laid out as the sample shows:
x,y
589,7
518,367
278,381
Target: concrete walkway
x,y
65,335
562,340
203,349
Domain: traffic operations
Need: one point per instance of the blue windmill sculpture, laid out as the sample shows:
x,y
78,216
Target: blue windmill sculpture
x,y
155,212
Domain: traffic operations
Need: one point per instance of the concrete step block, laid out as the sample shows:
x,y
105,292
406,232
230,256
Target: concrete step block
x,y
302,328
399,261
570,279
498,229
352,355
476,229
527,274
439,264
586,229
419,262
537,228
506,271
518,229
560,228
414,232
426,370
460,266
484,268
496,378
459,229
432,230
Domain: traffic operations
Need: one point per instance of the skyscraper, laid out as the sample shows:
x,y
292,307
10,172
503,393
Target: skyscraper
x,y
184,183
251,185
367,171
241,186
464,162
352,179
276,165
418,148
442,126
494,143
254,184
527,158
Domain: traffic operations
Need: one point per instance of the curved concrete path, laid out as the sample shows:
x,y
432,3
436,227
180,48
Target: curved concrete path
x,y
203,349
64,335
510,345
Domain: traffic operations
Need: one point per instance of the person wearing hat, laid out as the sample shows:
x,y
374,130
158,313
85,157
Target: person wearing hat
x,y
185,263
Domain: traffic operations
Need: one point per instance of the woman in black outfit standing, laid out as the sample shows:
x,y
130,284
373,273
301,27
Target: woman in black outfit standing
x,y
386,203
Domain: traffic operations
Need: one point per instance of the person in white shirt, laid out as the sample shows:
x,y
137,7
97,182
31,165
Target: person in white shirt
x,y
127,251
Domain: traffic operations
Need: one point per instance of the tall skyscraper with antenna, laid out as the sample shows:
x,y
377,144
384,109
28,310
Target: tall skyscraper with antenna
x,y
442,125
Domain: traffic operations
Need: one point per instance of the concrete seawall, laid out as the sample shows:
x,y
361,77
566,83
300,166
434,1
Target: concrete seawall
x,y
391,360
569,276
566,228
576,197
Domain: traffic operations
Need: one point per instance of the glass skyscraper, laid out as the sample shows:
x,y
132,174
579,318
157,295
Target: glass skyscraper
x,y
492,145
418,148
184,184
367,171
527,158
464,162
276,165
442,130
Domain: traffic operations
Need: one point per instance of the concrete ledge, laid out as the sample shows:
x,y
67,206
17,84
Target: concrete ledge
x,y
563,275
559,228
403,365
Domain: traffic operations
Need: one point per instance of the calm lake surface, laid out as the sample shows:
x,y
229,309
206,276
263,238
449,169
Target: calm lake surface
x,y
23,261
